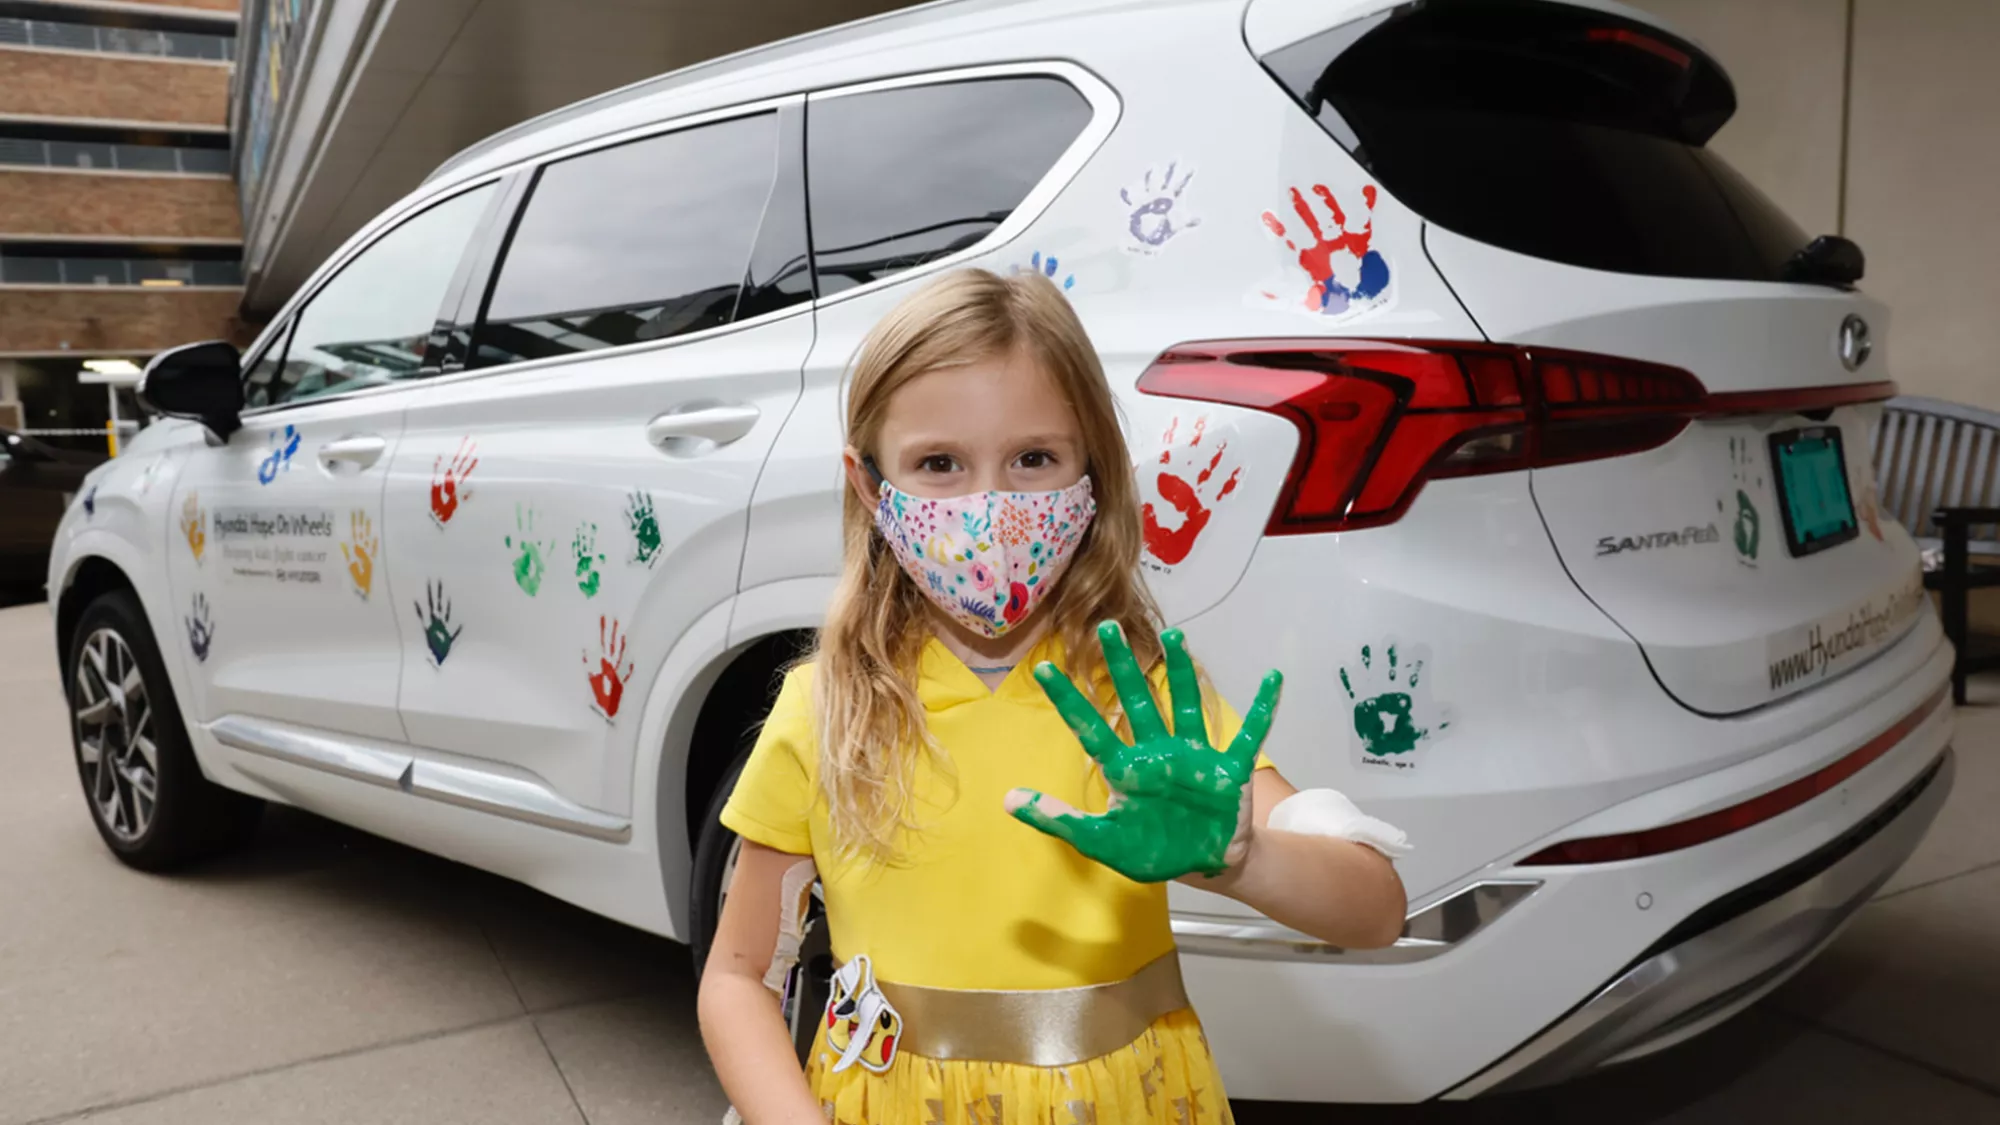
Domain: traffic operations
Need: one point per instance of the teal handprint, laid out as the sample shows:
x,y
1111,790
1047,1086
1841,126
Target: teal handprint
x,y
1392,706
439,636
1177,805
588,560
645,525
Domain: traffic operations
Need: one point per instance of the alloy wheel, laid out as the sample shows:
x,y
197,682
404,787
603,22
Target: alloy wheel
x,y
116,740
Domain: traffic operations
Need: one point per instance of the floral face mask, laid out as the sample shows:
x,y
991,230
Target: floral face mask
x,y
987,558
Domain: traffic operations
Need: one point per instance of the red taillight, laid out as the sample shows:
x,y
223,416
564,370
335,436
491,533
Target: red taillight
x,y
1735,818
1377,418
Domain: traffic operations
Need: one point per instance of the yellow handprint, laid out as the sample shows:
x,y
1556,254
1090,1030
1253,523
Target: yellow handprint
x,y
193,525
360,551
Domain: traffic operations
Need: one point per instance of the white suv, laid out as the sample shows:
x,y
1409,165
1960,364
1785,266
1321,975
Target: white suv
x,y
1466,386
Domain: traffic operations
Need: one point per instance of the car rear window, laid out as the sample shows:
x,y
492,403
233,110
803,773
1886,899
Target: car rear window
x,y
904,176
641,241
1561,132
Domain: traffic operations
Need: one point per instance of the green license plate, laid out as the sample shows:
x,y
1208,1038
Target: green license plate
x,y
1811,472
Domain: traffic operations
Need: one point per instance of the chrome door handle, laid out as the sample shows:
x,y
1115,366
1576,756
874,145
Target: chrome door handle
x,y
355,452
701,429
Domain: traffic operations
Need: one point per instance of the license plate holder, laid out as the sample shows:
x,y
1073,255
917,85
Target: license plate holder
x,y
1810,469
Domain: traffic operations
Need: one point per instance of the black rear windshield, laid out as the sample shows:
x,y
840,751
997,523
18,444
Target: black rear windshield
x,y
1555,131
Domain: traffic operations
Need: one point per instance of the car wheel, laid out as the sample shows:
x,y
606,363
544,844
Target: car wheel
x,y
147,795
714,865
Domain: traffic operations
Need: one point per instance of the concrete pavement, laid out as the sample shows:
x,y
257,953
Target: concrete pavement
x,y
326,976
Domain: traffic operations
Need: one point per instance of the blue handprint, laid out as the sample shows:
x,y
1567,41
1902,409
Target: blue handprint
x,y
284,443
1046,266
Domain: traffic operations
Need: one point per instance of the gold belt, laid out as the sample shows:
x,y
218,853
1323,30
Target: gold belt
x,y
1036,1027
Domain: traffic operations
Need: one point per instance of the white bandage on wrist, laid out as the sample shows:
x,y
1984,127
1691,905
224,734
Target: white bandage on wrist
x,y
794,900
1328,812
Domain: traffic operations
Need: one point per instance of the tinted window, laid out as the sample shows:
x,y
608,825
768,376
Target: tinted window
x,y
368,325
1556,131
901,177
640,242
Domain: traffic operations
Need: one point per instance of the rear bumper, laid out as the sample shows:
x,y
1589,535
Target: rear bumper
x,y
1504,993
1727,955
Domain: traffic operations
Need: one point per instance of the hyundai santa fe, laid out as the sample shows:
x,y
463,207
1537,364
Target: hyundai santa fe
x,y
1465,383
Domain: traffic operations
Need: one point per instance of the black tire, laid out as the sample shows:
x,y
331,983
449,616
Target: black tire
x,y
189,817
714,848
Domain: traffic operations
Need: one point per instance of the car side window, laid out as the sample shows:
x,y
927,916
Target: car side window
x,y
260,373
369,324
644,241
904,176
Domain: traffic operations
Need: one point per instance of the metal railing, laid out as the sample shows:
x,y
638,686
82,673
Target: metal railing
x,y
116,40
162,272
118,157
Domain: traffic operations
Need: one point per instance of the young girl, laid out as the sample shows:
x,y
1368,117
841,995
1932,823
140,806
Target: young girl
x,y
997,968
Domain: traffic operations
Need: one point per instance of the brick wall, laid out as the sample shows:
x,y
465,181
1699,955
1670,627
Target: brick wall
x,y
94,320
162,207
117,87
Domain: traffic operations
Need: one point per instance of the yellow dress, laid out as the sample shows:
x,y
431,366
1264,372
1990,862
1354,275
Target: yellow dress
x,y
977,900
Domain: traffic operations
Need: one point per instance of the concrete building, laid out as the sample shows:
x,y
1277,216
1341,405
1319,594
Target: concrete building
x,y
119,228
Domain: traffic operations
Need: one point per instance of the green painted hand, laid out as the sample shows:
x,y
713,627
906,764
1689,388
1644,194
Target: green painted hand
x,y
1177,805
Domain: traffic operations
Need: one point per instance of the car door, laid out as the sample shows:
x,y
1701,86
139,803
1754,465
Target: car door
x,y
567,506
276,565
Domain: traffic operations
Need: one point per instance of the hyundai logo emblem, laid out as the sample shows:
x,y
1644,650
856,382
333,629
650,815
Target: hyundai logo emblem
x,y
1854,342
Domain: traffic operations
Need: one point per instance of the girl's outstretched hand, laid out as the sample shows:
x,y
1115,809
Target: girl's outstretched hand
x,y
1177,805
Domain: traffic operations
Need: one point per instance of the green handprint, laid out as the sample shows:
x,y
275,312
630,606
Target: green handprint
x,y
528,564
645,527
584,546
1391,716
1177,805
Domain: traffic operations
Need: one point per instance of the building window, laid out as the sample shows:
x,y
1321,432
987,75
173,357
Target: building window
x,y
62,35
112,156
75,265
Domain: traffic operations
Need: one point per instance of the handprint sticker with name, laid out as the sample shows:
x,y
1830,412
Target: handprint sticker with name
x,y
610,671
529,554
644,523
1046,265
361,550
1189,483
1746,476
439,636
1344,274
589,560
200,629
1390,701
448,488
1154,211
283,444
194,526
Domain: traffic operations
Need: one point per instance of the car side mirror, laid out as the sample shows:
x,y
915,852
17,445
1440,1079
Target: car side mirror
x,y
199,381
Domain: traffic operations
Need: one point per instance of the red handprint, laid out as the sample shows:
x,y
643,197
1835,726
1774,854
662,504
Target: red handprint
x,y
607,683
448,481
1171,545
1361,274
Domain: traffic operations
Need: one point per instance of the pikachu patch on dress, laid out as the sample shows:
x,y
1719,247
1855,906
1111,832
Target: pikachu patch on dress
x,y
861,1024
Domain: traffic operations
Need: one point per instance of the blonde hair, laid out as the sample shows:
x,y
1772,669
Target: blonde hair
x,y
870,721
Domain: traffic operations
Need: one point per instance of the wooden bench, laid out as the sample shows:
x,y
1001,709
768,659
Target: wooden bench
x,y
1937,468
